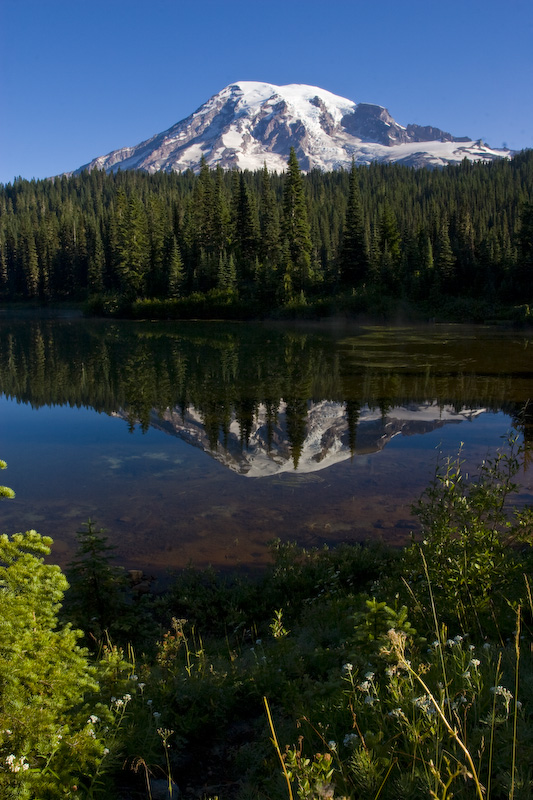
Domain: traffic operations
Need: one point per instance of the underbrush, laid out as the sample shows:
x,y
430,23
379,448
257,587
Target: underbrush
x,y
356,672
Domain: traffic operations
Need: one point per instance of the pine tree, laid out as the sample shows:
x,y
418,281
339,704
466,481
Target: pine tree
x,y
354,255
133,245
269,222
296,229
444,259
245,229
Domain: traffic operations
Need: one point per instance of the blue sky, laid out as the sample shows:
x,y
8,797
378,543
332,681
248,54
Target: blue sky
x,y
79,78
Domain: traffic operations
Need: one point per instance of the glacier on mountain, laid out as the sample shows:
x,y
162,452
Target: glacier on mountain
x,y
249,124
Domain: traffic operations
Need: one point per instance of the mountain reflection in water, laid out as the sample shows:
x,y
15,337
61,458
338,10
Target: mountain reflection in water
x,y
331,436
315,414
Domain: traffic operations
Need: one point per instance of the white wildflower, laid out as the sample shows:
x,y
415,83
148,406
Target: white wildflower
x,y
350,739
347,667
425,703
398,713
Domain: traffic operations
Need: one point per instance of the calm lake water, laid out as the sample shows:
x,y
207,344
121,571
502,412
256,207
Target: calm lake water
x,y
201,442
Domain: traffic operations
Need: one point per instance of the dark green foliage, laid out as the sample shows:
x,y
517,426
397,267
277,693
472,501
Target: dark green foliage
x,y
353,252
100,599
296,242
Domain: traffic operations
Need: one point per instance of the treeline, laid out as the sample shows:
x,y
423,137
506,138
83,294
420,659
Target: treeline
x,y
269,240
227,372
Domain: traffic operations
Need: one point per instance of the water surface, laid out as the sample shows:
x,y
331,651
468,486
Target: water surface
x,y
201,442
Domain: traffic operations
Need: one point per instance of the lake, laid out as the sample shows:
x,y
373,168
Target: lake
x,y
201,442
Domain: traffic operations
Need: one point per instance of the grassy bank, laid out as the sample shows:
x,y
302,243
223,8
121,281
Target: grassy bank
x,y
357,672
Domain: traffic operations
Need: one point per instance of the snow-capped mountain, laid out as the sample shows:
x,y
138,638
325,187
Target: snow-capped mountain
x,y
249,124
327,441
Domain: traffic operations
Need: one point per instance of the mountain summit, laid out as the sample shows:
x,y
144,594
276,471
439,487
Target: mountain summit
x,y
249,124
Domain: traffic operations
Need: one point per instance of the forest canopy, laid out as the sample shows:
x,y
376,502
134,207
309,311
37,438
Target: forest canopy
x,y
266,240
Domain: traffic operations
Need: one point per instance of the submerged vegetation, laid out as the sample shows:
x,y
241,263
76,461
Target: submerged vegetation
x,y
356,672
454,243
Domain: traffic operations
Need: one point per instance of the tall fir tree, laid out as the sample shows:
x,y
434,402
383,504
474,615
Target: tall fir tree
x,y
354,252
296,230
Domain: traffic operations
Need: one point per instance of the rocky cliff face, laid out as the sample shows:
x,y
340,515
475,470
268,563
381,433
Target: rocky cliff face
x,y
249,124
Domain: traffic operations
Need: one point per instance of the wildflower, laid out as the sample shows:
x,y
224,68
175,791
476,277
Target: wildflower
x,y
436,643
127,698
501,690
141,686
259,641
466,674
156,715
350,739
369,676
119,702
106,751
17,765
149,702
8,732
347,667
425,703
398,713
458,639
505,694
332,744
93,719
365,686
134,677
370,700
475,662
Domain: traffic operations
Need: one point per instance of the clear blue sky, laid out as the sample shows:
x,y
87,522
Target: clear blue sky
x,y
79,78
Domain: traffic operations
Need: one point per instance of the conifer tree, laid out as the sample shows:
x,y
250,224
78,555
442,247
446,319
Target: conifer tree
x,y
354,255
296,229
444,259
269,222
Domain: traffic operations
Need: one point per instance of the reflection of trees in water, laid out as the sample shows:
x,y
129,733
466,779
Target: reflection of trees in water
x,y
227,371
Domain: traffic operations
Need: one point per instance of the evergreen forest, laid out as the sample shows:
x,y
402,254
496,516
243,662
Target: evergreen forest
x,y
255,244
